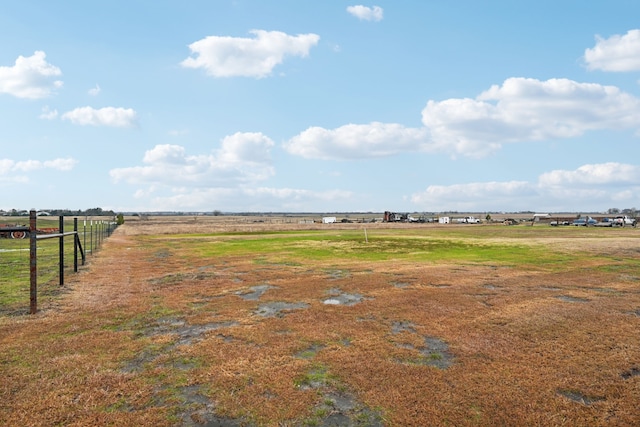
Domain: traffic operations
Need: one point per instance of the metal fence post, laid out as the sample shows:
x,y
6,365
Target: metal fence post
x,y
84,234
75,245
33,266
61,249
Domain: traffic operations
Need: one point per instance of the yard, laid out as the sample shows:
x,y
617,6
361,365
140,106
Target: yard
x,y
205,322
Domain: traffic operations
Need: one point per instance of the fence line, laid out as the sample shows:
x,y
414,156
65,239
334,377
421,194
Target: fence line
x,y
98,231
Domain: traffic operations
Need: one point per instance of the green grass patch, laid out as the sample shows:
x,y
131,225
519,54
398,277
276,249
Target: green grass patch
x,y
421,245
15,274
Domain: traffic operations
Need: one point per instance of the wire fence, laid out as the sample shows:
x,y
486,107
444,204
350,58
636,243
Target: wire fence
x,y
37,253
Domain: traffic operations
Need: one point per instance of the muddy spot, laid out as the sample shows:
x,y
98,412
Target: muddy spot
x,y
579,397
279,308
310,352
569,298
398,327
341,298
336,408
435,351
225,338
255,293
400,285
162,254
186,333
633,372
200,411
337,274
344,410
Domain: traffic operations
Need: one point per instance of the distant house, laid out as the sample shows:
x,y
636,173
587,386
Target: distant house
x,y
538,217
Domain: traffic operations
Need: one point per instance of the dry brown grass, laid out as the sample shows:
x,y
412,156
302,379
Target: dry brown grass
x,y
150,335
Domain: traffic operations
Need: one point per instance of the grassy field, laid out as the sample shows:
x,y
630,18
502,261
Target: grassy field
x,y
216,322
14,262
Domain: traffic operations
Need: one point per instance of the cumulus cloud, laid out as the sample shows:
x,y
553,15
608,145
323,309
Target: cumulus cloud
x,y
243,158
357,141
365,13
107,116
519,110
228,178
592,185
13,171
617,53
247,57
593,175
31,77
528,110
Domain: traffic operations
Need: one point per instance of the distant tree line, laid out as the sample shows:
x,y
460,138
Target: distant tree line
x,y
632,212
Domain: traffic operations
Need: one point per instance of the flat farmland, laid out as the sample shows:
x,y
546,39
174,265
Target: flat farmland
x,y
223,322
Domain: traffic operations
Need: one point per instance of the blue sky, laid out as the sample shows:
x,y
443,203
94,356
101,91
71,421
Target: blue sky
x,y
320,106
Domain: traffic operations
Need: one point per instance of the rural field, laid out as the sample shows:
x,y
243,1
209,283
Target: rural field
x,y
225,322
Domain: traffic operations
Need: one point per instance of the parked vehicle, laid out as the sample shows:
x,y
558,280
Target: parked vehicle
x,y
585,221
468,220
623,220
556,223
605,222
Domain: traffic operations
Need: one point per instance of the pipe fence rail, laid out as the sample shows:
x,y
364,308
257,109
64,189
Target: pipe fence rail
x,y
46,260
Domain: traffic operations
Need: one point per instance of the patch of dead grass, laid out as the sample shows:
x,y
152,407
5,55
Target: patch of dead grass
x,y
521,355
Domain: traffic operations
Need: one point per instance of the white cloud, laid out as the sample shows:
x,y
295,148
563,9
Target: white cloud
x,y
365,13
528,110
107,116
243,158
14,171
60,164
48,114
520,110
593,175
589,187
357,141
227,179
246,57
31,77
617,53
10,166
95,91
